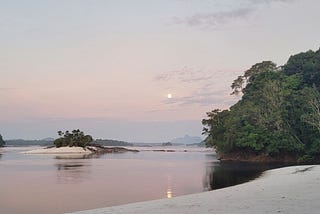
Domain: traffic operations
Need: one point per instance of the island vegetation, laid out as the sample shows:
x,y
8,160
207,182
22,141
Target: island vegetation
x,y
277,117
2,142
77,138
74,138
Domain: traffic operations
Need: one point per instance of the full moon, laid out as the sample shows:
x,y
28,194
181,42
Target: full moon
x,y
169,96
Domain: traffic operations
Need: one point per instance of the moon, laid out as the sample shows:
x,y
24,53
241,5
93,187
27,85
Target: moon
x,y
169,96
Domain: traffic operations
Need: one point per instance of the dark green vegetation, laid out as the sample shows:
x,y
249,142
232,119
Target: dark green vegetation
x,y
106,142
74,138
2,142
278,117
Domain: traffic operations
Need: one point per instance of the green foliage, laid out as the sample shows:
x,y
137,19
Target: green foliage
x,y
75,138
2,142
239,84
214,128
307,65
312,115
279,112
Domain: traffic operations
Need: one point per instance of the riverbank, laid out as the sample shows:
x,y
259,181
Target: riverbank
x,y
250,157
285,190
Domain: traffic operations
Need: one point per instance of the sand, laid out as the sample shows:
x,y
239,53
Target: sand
x,y
61,150
286,190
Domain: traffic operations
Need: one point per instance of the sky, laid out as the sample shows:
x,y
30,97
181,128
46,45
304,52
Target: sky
x,y
107,66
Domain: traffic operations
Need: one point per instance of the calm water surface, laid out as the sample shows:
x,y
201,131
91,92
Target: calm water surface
x,y
32,184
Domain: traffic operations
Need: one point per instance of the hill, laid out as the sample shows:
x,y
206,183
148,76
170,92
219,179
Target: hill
x,y
108,142
186,140
21,142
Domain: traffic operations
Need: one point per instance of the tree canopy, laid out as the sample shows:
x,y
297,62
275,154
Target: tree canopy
x,y
74,138
278,114
2,142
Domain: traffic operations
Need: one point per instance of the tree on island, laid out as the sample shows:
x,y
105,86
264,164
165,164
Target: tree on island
x,y
75,138
278,116
2,142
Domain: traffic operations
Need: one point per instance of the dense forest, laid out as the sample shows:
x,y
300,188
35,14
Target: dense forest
x,y
278,116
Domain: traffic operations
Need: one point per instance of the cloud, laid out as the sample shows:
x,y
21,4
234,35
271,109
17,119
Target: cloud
x,y
270,1
204,87
214,19
241,12
185,75
220,98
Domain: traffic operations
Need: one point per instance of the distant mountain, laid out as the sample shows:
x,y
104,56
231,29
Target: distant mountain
x,y
187,140
21,142
50,139
108,142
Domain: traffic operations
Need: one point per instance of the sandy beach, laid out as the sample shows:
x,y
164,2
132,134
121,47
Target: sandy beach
x,y
285,190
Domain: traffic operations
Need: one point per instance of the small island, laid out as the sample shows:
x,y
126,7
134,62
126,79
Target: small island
x,y
76,142
277,118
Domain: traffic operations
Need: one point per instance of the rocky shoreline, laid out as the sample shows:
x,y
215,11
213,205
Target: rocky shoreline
x,y
262,158
98,149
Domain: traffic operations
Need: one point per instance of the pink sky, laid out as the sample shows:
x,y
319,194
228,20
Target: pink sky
x,y
78,61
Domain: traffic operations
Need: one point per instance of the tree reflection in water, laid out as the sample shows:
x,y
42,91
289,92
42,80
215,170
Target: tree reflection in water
x,y
224,174
72,169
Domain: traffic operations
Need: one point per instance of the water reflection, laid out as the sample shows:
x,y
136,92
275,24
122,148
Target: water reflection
x,y
72,170
109,180
68,166
76,156
169,188
169,193
222,174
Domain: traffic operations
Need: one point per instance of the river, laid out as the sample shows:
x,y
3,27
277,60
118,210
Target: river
x,y
51,184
